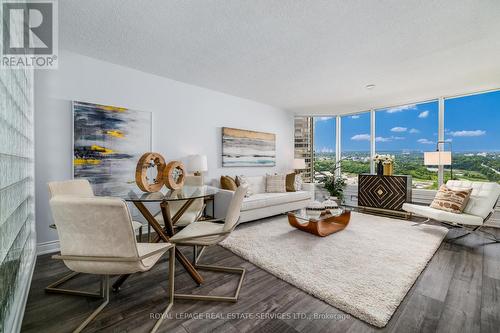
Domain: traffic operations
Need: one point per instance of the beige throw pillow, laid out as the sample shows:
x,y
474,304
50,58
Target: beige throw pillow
x,y
275,183
450,200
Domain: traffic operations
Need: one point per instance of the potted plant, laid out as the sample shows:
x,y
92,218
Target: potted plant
x,y
334,184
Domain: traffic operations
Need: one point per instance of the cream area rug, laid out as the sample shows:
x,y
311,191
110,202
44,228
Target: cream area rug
x,y
365,270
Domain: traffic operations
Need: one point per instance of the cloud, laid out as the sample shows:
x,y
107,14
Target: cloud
x,y
425,141
316,119
361,137
354,117
468,133
402,108
423,114
398,129
414,131
382,139
398,137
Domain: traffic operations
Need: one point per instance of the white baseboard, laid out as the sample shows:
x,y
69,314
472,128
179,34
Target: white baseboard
x,y
47,247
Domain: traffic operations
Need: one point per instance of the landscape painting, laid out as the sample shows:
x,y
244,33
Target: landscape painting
x,y
108,142
243,148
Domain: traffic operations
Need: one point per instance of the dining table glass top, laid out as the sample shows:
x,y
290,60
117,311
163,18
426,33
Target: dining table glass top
x,y
184,193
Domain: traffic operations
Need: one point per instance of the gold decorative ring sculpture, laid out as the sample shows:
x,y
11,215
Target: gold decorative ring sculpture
x,y
174,175
150,160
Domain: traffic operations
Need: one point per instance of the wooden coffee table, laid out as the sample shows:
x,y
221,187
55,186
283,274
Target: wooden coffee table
x,y
324,225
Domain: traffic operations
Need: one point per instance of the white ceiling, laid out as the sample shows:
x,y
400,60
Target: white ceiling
x,y
306,56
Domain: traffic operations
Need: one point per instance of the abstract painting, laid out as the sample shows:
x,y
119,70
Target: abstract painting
x,y
242,148
108,142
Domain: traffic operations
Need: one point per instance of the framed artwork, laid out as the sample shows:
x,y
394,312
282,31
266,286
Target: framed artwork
x,y
108,142
243,148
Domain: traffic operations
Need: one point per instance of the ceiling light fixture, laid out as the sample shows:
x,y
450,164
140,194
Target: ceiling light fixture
x,y
370,86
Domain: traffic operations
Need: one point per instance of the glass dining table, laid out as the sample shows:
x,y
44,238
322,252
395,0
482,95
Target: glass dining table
x,y
187,195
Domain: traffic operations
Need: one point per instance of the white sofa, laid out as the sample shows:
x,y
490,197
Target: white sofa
x,y
262,204
480,206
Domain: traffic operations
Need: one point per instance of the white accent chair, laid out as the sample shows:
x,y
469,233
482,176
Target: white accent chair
x,y
195,210
97,237
209,233
481,206
81,188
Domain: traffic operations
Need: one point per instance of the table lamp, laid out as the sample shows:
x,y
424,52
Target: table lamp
x,y
299,164
439,158
197,164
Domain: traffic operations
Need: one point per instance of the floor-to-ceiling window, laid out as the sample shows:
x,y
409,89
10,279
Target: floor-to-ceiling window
x,y
472,126
407,132
324,146
355,146
303,144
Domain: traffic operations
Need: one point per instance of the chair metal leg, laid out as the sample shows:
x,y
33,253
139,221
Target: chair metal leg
x,y
171,275
105,291
232,270
53,288
420,223
487,234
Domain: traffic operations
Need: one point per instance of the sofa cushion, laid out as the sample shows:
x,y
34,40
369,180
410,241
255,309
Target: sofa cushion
x,y
261,200
483,196
290,182
275,183
227,183
257,184
441,215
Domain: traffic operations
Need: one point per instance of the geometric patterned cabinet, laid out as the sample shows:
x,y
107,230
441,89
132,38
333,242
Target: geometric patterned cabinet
x,y
384,192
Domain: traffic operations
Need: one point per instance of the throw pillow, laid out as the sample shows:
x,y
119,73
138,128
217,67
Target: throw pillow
x,y
242,180
227,183
298,183
450,200
290,182
275,183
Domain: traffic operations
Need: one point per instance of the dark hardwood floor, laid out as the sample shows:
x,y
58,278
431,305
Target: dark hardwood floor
x,y
459,291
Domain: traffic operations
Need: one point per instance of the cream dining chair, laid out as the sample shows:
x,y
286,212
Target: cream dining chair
x,y
96,237
81,188
208,233
195,210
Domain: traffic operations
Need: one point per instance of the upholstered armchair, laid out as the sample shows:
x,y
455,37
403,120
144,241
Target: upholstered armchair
x,y
209,233
96,237
479,208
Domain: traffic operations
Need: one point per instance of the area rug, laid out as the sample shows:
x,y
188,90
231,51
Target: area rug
x,y
365,270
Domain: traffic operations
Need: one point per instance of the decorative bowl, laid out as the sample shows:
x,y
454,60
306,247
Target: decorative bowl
x,y
330,205
314,209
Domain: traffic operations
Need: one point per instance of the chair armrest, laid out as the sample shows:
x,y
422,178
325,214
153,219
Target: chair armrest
x,y
117,259
309,187
222,200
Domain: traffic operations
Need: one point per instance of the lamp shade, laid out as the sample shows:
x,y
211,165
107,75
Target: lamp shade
x,y
197,163
437,158
299,163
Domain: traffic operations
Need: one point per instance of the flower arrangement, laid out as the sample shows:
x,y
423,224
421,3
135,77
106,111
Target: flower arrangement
x,y
385,159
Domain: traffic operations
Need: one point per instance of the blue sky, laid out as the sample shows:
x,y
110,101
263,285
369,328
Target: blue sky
x,y
472,123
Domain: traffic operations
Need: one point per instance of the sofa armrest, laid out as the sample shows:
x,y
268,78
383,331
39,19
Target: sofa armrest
x,y
222,201
309,187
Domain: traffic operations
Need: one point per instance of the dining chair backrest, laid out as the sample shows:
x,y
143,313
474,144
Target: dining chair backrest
x,y
233,211
78,187
93,226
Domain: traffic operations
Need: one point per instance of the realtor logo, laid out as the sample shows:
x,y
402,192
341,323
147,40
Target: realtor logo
x,y
29,34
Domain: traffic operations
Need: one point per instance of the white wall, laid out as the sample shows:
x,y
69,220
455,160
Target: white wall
x,y
186,120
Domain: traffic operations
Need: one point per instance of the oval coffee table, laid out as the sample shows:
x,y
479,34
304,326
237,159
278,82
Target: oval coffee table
x,y
324,225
